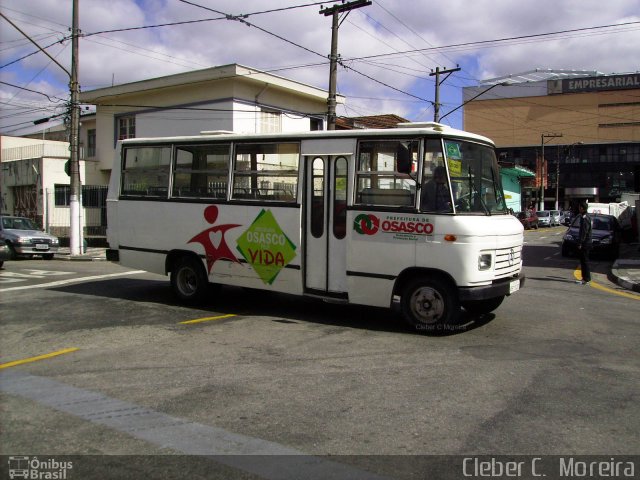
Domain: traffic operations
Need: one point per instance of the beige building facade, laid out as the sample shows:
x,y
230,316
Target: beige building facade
x,y
586,124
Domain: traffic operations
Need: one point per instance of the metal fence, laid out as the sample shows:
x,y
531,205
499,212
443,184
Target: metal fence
x,y
94,211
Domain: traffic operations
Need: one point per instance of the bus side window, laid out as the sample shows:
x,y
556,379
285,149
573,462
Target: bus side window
x,y
382,176
145,171
266,171
201,171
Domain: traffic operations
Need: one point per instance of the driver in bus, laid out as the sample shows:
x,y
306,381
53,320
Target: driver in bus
x,y
435,193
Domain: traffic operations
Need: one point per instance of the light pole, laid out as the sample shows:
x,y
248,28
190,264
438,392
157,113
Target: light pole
x,y
542,142
569,150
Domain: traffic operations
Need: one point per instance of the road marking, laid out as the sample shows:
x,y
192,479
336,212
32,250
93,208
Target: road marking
x,y
72,280
38,358
578,276
25,275
263,458
207,319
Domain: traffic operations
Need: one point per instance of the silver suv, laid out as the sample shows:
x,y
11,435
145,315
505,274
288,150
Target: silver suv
x,y
24,238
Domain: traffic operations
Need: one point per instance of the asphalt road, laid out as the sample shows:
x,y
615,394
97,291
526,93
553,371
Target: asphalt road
x,y
259,379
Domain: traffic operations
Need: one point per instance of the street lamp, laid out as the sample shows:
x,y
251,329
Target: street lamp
x,y
569,150
542,142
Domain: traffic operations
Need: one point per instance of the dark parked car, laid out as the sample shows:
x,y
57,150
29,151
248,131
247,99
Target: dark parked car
x,y
605,232
528,219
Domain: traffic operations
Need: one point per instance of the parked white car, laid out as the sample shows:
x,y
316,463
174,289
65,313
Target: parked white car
x,y
556,217
24,238
544,218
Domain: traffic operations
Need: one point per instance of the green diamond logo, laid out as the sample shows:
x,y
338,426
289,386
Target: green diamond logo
x,y
266,247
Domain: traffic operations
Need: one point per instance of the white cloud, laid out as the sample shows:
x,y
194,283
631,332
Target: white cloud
x,y
384,27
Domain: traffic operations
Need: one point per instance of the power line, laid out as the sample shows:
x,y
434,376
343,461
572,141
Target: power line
x,y
33,91
187,22
498,40
33,53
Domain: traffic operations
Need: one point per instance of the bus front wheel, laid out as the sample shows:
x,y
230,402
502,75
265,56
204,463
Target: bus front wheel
x,y
428,303
189,279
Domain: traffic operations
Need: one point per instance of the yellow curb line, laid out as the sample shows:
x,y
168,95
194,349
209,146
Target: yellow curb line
x,y
207,319
39,357
578,275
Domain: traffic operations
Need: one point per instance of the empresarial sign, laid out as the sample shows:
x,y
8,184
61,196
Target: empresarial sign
x,y
594,84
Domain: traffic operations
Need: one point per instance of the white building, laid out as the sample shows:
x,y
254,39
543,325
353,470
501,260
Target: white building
x,y
229,98
34,183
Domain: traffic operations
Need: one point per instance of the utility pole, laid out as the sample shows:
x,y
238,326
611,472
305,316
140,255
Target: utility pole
x,y
75,204
436,104
73,112
333,57
542,142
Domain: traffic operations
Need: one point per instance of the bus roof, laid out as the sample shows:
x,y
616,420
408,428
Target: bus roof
x,y
417,129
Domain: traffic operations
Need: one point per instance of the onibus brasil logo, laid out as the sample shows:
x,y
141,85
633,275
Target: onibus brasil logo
x,y
41,469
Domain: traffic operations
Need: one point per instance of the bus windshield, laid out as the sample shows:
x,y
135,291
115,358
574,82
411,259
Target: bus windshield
x,y
475,179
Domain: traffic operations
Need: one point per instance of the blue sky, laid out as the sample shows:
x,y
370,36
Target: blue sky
x,y
396,42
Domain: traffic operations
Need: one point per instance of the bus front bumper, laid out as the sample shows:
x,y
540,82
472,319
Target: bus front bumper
x,y
499,288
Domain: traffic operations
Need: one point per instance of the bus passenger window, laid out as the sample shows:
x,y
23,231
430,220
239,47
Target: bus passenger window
x,y
383,172
145,171
266,171
201,171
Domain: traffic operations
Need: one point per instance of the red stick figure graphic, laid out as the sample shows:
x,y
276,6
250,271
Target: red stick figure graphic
x,y
212,239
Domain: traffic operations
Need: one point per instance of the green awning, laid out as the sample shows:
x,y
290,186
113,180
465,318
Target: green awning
x,y
519,172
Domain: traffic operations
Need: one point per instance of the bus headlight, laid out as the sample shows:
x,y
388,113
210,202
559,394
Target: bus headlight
x,y
485,261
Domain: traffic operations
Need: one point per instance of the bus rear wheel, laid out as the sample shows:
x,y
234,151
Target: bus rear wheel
x,y
189,279
429,303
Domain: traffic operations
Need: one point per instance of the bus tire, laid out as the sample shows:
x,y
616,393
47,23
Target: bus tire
x,y
189,279
481,307
429,303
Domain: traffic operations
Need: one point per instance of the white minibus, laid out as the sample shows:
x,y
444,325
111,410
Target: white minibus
x,y
413,218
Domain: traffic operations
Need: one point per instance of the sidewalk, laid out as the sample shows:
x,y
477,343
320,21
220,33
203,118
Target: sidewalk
x,y
625,271
91,254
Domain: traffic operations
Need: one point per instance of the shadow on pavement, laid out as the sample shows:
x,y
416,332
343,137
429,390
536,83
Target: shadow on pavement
x,y
287,309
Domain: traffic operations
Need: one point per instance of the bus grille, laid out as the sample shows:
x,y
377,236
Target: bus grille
x,y
508,261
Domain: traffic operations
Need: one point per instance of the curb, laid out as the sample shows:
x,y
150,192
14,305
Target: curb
x,y
80,258
622,280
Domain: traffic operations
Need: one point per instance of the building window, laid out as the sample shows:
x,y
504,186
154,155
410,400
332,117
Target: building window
x,y
92,196
126,127
270,122
91,143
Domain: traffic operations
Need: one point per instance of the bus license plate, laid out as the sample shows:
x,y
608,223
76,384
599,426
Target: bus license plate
x,y
514,286
42,246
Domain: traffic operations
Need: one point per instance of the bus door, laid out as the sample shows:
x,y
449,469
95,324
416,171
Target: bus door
x,y
325,192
